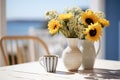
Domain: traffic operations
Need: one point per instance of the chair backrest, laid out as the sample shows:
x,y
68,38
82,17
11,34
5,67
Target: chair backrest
x,y
20,49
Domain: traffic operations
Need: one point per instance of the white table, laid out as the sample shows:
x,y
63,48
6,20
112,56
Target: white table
x,y
104,70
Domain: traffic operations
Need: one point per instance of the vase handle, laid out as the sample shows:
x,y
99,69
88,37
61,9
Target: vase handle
x,y
99,47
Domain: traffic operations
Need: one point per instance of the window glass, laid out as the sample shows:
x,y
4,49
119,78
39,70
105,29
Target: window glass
x,y
23,14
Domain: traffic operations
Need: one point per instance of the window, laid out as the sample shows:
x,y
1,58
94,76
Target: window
x,y
22,14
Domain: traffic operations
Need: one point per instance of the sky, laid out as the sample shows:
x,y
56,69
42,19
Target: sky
x,y
35,9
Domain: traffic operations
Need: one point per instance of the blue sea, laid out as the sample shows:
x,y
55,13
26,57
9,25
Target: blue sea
x,y
21,27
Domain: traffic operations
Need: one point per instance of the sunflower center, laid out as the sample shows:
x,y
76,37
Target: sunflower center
x,y
55,27
89,21
93,32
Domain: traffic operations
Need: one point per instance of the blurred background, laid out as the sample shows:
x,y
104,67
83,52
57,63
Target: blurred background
x,y
23,14
27,17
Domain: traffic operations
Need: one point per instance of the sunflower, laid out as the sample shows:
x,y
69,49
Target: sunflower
x,y
89,17
53,26
93,32
65,16
104,22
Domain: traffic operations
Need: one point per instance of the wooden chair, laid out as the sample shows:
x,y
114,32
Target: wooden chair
x,y
18,49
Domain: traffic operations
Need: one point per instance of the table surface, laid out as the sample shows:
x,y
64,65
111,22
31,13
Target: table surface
x,y
103,70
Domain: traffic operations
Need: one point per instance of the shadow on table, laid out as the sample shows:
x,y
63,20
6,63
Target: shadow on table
x,y
100,74
64,73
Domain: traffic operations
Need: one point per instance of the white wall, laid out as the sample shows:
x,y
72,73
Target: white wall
x,y
2,17
2,23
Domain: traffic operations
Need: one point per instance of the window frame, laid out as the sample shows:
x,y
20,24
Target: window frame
x,y
2,17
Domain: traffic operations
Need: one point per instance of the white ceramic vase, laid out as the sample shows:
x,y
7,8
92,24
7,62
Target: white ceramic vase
x,y
72,57
88,54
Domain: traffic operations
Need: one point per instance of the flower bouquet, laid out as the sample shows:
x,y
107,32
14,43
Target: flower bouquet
x,y
77,23
74,23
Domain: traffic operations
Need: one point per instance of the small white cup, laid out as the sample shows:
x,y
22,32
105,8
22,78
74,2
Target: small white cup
x,y
49,62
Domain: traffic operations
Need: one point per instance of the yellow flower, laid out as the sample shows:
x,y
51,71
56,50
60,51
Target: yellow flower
x,y
65,16
89,17
104,22
53,26
93,32
77,23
